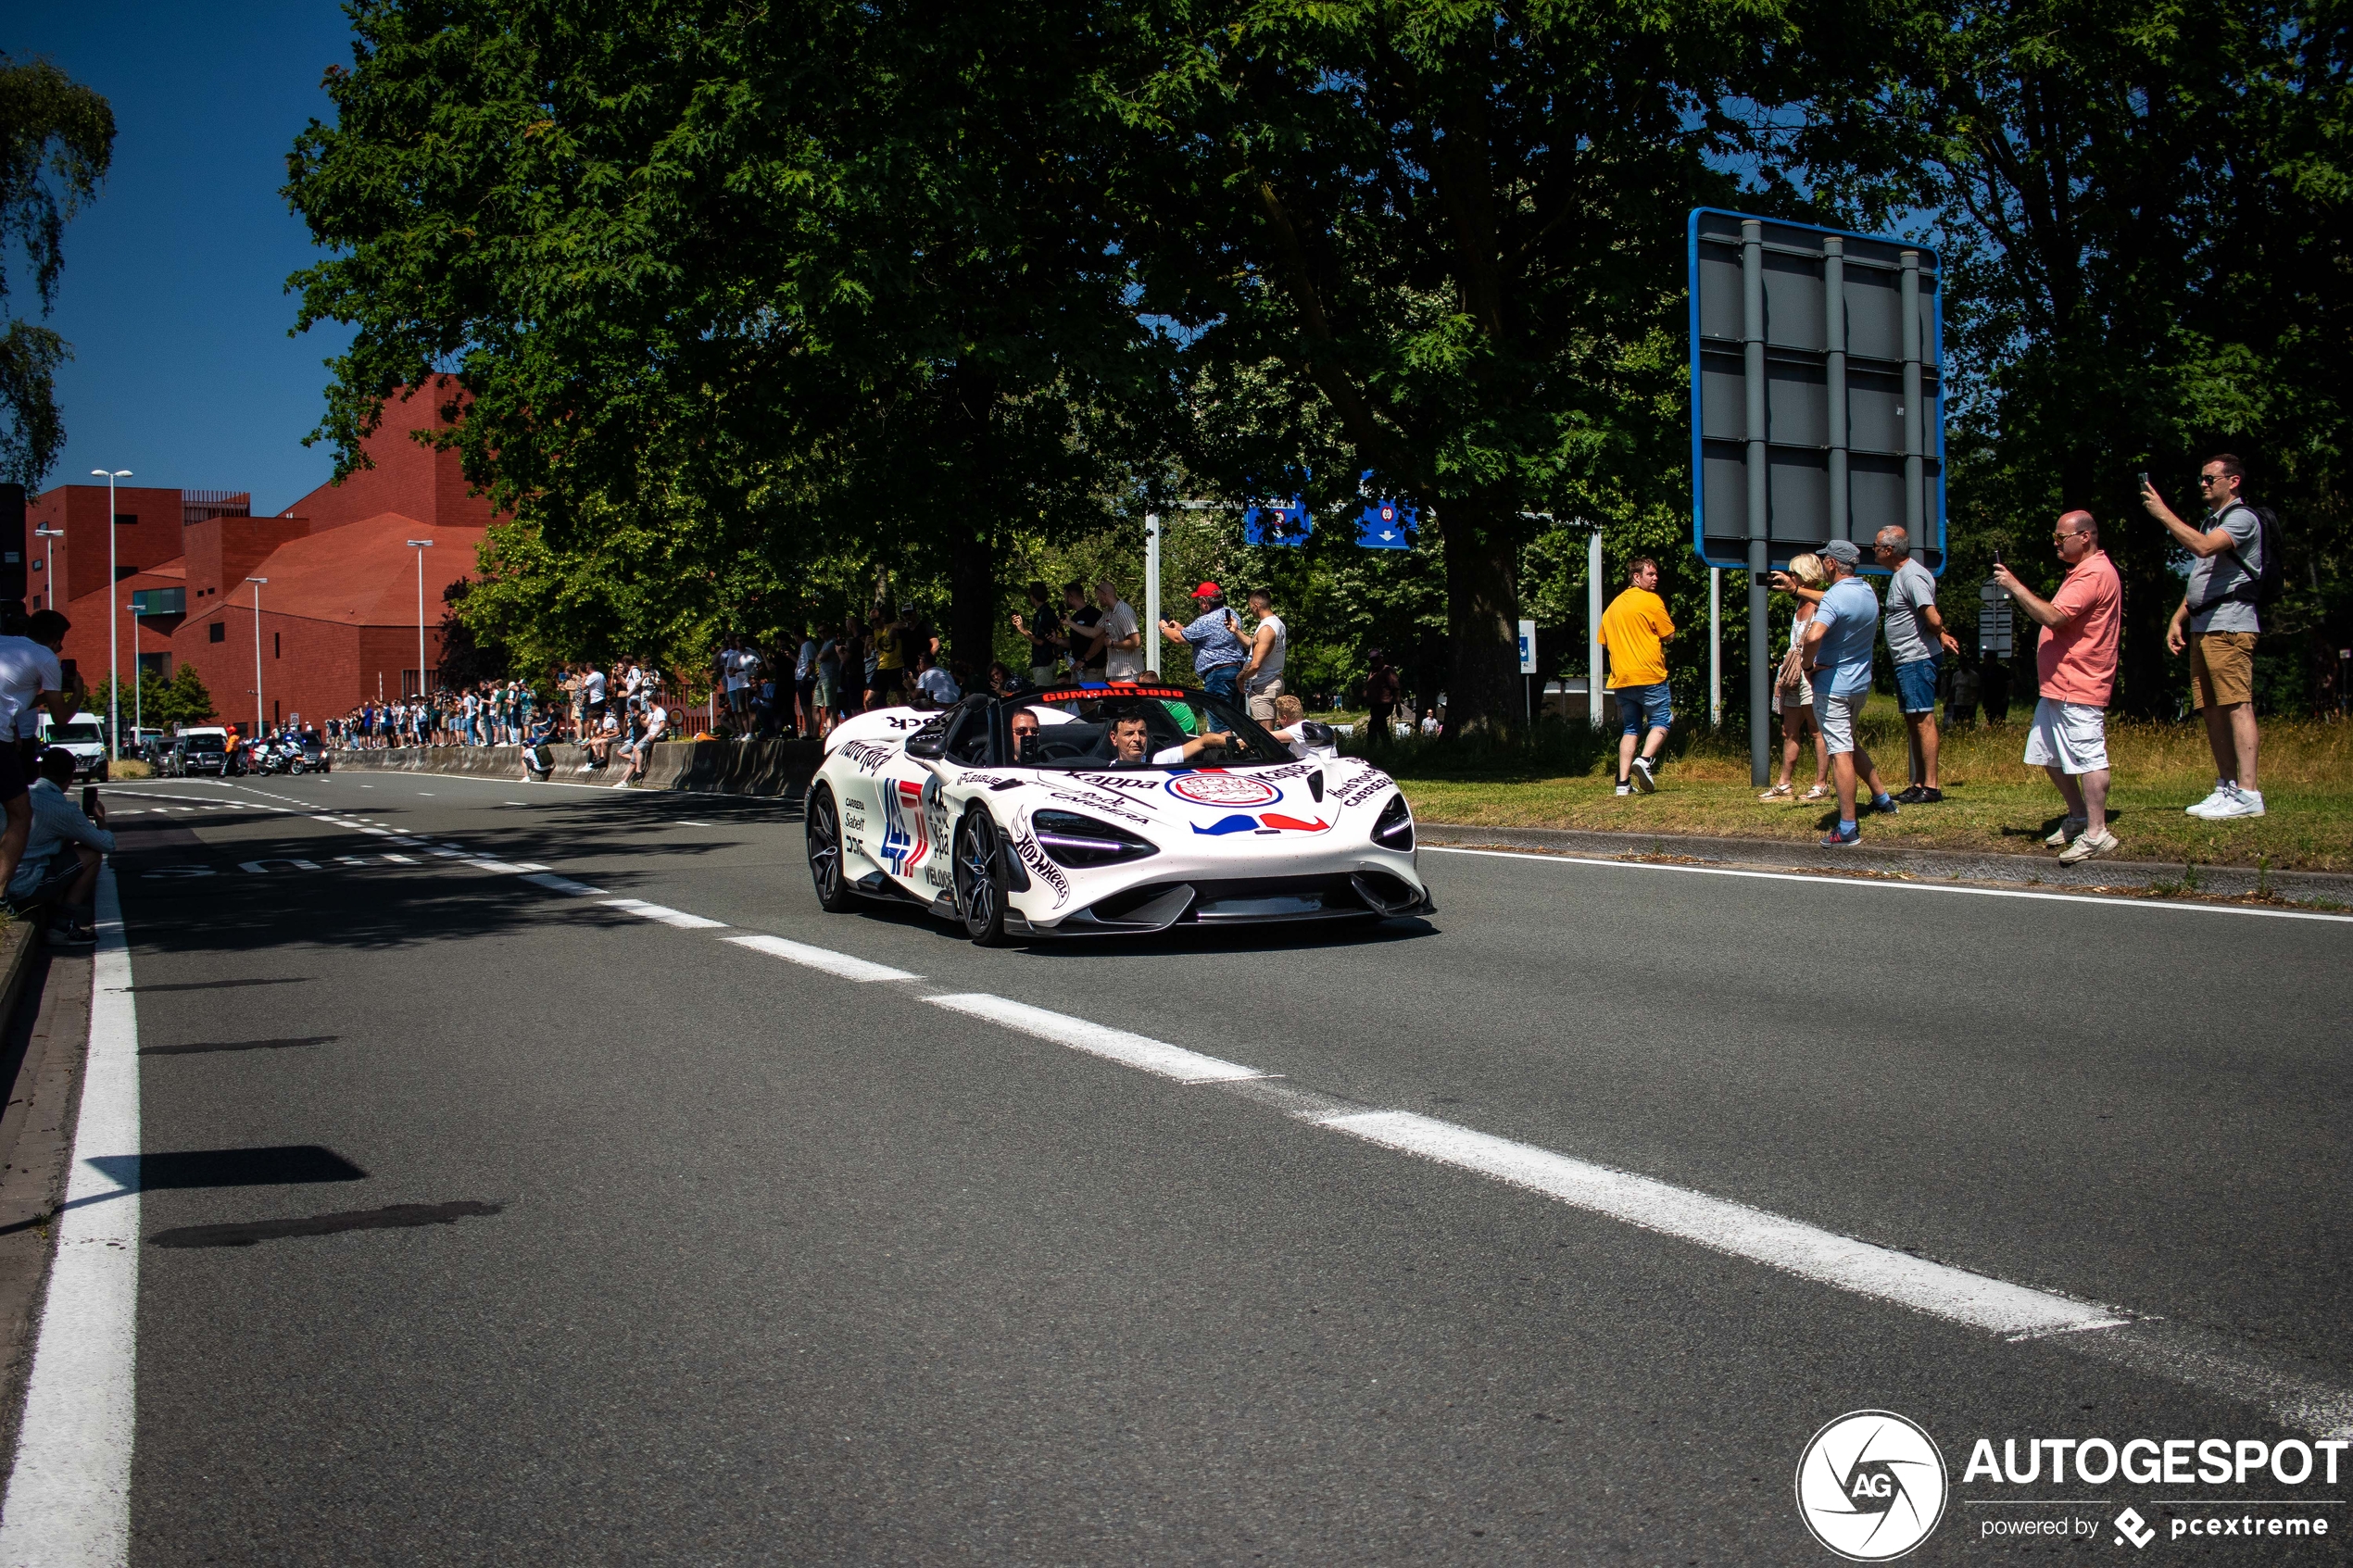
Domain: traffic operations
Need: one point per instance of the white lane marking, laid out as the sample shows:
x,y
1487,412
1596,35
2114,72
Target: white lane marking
x,y
684,823
565,884
400,859
70,1491
1116,1045
380,833
448,853
2105,902
397,839
667,915
366,787
261,868
511,869
841,964
1722,1225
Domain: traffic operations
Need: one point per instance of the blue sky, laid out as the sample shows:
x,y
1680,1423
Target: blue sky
x,y
174,294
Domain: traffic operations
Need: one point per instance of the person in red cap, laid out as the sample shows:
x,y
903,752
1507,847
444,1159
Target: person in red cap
x,y
1218,650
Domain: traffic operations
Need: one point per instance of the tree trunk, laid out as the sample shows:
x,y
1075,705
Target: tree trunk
x,y
973,602
1483,611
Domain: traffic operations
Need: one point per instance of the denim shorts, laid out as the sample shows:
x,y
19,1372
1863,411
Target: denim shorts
x,y
1916,684
1644,708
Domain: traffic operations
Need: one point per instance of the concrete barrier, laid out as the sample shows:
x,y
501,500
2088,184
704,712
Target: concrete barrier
x,y
718,767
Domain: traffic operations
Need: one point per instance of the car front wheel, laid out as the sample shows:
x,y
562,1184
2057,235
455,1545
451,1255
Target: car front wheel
x,y
980,878
823,827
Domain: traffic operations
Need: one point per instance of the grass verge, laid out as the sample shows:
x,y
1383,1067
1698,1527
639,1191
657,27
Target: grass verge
x,y
1563,776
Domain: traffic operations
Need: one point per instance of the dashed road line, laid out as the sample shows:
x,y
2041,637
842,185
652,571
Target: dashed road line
x,y
662,913
825,958
1157,1057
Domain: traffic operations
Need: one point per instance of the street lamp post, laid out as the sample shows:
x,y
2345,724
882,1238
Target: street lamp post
x,y
50,570
420,547
138,711
113,634
257,582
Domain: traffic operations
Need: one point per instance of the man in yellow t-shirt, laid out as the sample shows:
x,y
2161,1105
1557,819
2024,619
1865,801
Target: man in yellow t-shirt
x,y
1634,629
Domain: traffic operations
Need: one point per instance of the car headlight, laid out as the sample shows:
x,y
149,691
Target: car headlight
x,y
1074,840
1395,829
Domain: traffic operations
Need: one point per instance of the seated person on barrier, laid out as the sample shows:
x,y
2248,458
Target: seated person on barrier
x,y
538,761
656,724
1129,736
598,744
61,859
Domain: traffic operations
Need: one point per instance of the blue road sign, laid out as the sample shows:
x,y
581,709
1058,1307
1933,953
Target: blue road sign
x,y
1286,524
1383,526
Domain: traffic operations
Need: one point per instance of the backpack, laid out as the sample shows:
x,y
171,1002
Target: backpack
x,y
2263,588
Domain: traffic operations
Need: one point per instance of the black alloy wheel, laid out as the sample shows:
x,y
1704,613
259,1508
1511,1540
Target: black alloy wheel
x,y
825,851
980,878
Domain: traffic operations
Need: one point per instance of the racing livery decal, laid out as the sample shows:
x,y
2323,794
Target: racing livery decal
x,y
1272,822
1360,788
1041,865
906,837
1143,783
865,755
1213,787
1108,805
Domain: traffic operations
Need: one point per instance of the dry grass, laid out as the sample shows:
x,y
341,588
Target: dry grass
x,y
1993,801
127,768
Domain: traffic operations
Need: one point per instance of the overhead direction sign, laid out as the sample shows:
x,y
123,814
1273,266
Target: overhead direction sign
x,y
1816,390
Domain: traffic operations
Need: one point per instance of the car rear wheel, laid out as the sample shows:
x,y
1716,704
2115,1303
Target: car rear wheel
x,y
980,878
823,827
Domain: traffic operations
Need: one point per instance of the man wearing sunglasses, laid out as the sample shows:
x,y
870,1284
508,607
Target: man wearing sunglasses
x,y
2075,665
2217,621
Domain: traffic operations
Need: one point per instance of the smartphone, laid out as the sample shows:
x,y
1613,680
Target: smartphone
x,y
90,800
2145,479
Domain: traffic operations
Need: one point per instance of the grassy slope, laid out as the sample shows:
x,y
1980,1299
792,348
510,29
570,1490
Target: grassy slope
x,y
1991,800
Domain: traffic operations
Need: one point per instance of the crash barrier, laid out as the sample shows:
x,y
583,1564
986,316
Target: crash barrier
x,y
724,767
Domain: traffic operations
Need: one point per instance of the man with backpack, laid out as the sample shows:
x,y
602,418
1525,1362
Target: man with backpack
x,y
2234,574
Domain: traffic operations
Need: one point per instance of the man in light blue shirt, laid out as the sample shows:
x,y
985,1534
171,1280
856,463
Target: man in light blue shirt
x,y
1218,651
1838,643
61,860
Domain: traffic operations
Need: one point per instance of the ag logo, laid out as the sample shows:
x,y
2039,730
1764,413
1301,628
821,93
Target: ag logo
x,y
1871,1485
1223,789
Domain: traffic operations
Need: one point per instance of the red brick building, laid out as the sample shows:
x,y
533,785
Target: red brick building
x,y
337,621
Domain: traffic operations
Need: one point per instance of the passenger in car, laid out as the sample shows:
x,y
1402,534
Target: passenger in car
x,y
1025,726
1130,737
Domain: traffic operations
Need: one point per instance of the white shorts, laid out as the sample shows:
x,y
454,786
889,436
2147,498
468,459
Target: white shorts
x,y
1836,716
2070,735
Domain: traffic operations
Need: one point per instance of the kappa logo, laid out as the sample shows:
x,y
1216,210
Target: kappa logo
x,y
1209,788
1871,1485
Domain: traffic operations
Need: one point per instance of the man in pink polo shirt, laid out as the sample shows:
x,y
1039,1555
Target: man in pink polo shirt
x,y
2076,666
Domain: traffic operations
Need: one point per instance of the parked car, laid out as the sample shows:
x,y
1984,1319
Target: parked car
x,y
84,734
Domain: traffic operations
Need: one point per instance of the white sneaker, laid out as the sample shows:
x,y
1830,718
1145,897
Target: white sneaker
x,y
1624,789
2206,806
2241,803
2067,831
2087,847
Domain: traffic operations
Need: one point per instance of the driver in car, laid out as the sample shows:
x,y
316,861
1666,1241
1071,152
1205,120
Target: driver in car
x,y
1130,737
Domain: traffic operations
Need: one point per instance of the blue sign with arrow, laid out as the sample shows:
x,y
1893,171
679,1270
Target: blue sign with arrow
x,y
1383,526
1289,523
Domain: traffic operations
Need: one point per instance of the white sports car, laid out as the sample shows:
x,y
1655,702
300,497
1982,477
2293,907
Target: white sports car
x,y
1095,811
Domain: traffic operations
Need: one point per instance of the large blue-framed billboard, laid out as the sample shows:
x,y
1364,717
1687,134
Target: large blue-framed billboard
x,y
1818,406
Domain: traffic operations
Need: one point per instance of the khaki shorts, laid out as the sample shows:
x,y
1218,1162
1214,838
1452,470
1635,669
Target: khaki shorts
x,y
2221,668
1262,701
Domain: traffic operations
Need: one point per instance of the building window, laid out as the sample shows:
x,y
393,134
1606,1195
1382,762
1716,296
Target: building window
x,y
217,633
277,645
126,519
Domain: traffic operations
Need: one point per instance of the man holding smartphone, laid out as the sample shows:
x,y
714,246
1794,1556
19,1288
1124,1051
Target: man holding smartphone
x,y
67,845
2218,623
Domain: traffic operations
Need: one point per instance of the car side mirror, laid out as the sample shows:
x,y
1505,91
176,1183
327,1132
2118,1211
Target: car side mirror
x,y
930,743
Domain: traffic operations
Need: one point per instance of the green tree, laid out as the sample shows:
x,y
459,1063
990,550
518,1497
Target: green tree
x,y
56,138
724,291
1452,232
2147,231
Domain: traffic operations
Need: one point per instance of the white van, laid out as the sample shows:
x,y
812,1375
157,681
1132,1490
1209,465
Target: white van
x,y
84,734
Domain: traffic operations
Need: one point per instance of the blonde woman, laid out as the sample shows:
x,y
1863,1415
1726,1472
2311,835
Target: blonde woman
x,y
1794,694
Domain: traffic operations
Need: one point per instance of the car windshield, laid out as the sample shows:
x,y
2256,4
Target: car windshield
x,y
205,743
78,732
1139,727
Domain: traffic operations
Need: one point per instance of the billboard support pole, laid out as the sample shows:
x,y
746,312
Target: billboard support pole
x,y
1841,517
1593,628
1753,342
1915,499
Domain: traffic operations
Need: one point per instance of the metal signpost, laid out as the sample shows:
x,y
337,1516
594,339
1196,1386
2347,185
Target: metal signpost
x,y
1527,667
1817,404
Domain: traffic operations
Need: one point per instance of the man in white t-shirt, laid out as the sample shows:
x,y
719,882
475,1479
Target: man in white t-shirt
x,y
1123,645
31,676
657,725
1130,735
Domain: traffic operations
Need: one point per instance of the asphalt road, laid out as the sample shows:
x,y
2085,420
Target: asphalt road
x,y
648,1246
